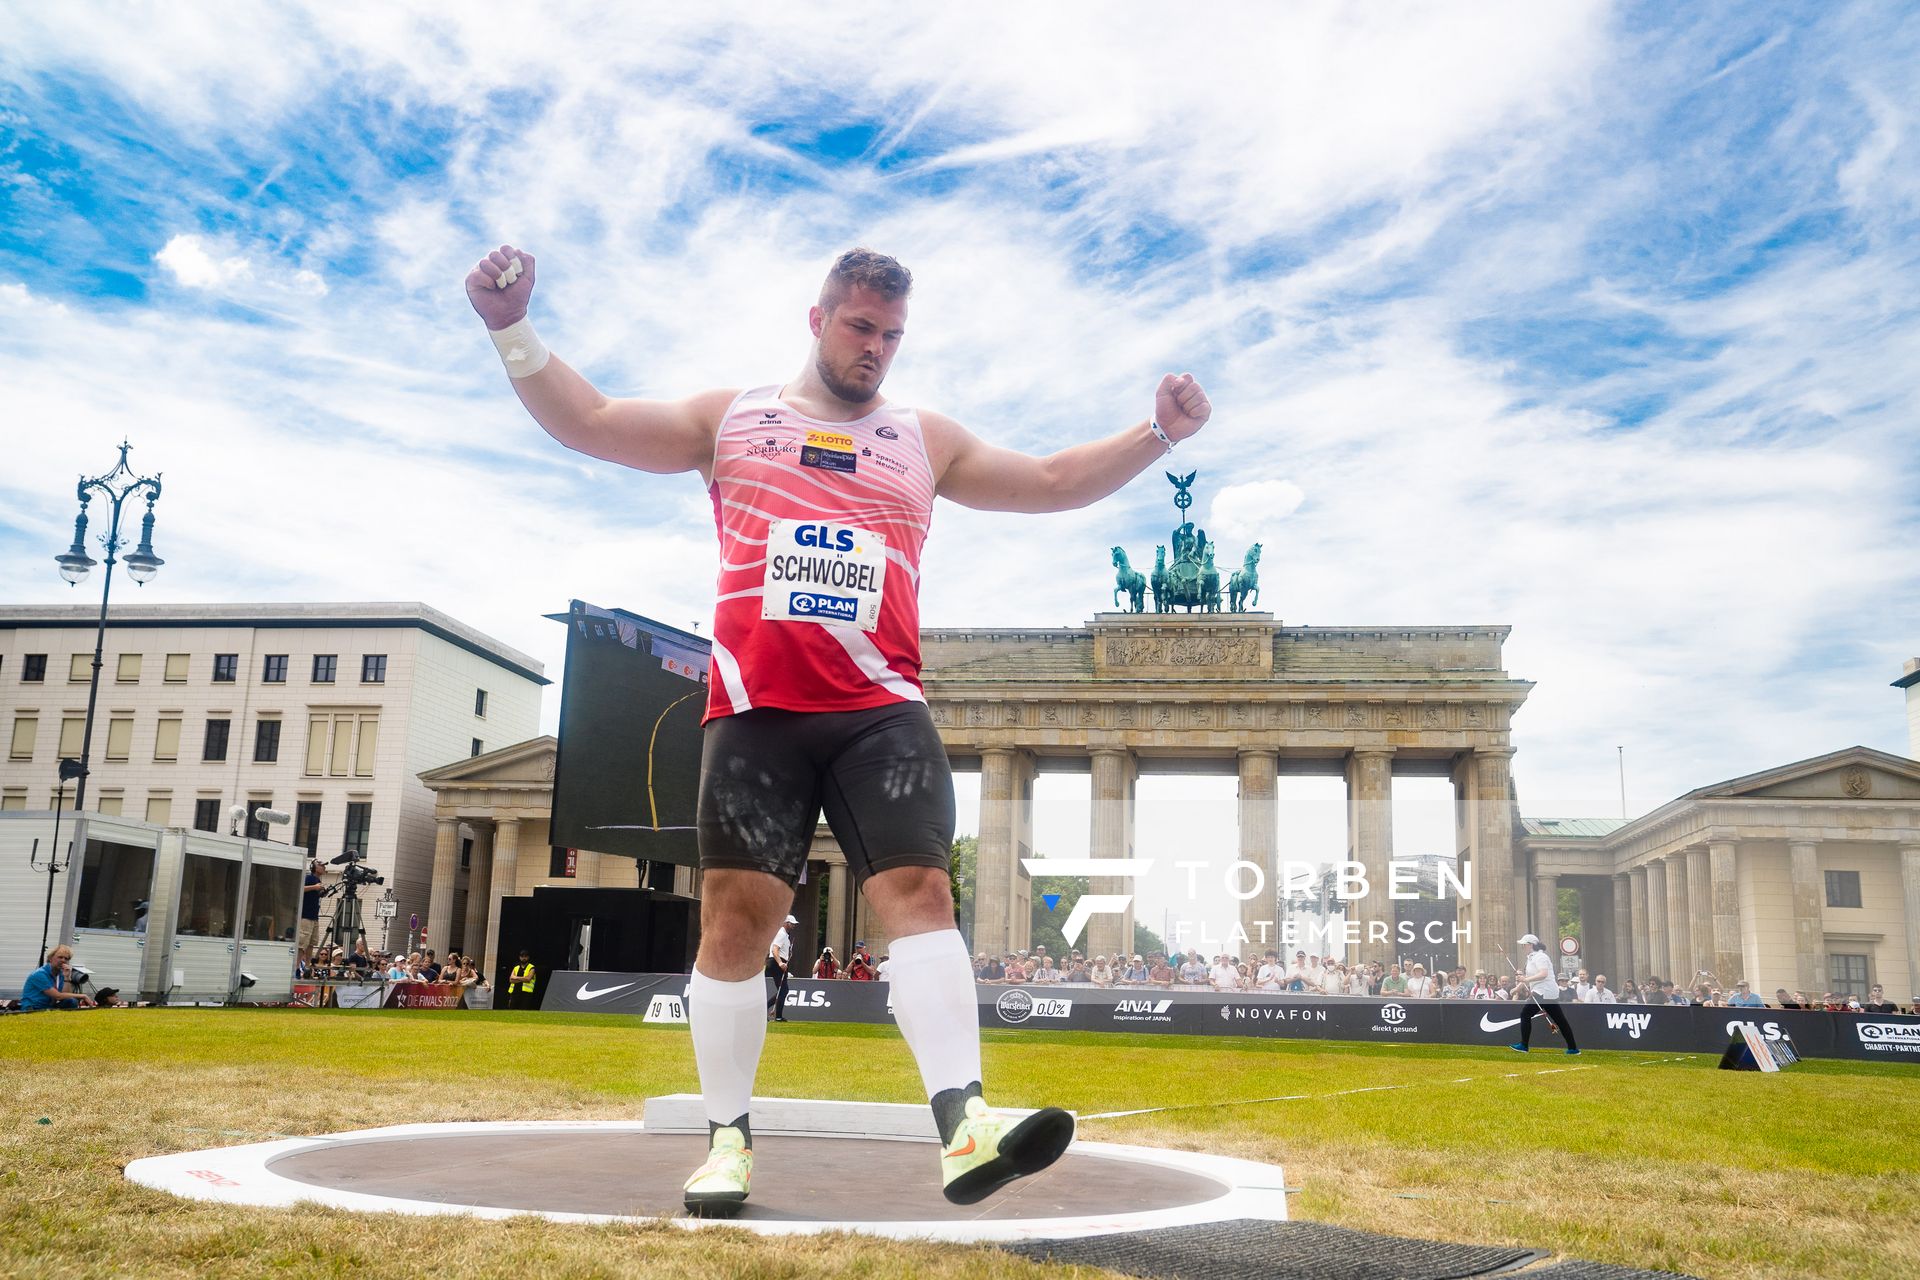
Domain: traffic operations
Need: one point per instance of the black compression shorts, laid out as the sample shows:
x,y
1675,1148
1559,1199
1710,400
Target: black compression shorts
x,y
880,775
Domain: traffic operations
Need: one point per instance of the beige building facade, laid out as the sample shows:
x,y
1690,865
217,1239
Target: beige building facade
x,y
1805,877
326,711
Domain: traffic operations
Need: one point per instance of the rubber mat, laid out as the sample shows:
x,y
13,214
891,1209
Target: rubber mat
x,y
1572,1269
1251,1249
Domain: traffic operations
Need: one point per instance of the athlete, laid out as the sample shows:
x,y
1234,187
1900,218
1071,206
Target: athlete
x,y
822,495
1538,980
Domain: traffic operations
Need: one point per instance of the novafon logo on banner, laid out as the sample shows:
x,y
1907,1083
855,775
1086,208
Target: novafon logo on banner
x,y
1270,1013
1632,1023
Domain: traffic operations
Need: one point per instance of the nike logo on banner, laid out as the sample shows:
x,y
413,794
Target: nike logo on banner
x,y
588,993
1488,1024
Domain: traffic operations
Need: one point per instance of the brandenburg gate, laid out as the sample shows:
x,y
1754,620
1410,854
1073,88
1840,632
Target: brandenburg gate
x,y
1238,694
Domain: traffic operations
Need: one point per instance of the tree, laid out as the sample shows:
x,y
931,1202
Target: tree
x,y
1146,941
963,863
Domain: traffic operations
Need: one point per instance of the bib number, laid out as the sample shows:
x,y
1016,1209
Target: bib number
x,y
834,574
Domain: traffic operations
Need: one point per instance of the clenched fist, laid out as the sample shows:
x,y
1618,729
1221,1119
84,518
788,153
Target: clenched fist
x,y
1180,406
500,285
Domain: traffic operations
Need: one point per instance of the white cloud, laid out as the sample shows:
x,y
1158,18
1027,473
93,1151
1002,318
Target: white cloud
x,y
202,263
1249,512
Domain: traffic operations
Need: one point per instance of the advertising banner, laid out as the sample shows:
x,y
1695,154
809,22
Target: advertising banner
x,y
1488,1023
423,995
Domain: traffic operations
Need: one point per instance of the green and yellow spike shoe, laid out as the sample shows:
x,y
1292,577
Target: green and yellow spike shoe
x,y
990,1150
719,1187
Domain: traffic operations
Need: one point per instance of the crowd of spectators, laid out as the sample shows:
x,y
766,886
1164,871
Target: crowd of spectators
x,y
333,963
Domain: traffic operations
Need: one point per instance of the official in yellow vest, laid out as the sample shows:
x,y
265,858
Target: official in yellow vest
x,y
520,985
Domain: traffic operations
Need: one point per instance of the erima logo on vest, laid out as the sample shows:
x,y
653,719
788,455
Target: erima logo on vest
x,y
819,535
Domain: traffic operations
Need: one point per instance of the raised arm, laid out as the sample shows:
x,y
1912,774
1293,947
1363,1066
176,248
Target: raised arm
x,y
976,474
650,435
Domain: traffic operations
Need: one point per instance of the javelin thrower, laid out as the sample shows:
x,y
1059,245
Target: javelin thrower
x,y
1539,981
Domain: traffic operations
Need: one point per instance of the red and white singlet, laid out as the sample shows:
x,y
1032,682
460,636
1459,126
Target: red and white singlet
x,y
821,525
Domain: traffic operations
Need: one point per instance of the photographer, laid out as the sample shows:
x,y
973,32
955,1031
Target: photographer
x,y
310,906
47,986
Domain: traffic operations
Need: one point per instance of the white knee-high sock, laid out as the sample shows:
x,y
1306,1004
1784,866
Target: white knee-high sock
x,y
729,1025
933,1001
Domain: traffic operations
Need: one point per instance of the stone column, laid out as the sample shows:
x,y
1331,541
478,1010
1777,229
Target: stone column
x,y
1620,963
1659,941
1700,911
1637,895
474,933
1546,913
1493,854
1809,929
1259,844
1679,959
446,870
1910,883
995,868
1370,843
1728,966
839,902
501,884
1111,837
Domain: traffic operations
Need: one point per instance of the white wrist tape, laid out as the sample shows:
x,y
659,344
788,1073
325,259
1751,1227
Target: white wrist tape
x,y
520,348
1160,434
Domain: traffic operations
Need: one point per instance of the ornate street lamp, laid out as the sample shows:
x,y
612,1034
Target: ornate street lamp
x,y
116,486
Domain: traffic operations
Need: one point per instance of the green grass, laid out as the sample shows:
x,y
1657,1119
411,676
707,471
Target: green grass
x,y
1638,1159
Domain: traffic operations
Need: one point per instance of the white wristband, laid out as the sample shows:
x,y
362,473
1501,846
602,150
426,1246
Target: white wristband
x,y
520,348
1160,434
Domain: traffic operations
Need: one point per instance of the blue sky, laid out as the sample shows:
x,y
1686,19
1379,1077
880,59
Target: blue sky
x,y
1594,320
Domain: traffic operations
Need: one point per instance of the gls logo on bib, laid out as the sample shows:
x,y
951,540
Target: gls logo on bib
x,y
824,573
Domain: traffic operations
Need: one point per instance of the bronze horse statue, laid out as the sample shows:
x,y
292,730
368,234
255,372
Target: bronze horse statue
x,y
1129,580
1243,588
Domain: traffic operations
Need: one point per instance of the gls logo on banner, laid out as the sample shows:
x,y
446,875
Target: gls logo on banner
x,y
1765,1030
1018,1006
808,1000
824,537
1634,1023
811,604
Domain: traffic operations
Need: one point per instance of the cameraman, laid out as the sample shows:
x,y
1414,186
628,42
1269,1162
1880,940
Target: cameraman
x,y
310,906
46,987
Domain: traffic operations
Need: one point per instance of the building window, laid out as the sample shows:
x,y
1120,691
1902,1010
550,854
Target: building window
x,y
13,800
359,826
112,803
478,746
25,729
257,830
226,668
323,667
79,668
273,669
72,734
306,825
206,814
1849,973
1843,888
266,741
176,672
119,737
466,852
128,670
480,703
159,810
373,668
166,738
216,744
33,669
363,749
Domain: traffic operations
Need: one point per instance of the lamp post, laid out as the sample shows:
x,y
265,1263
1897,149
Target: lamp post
x,y
116,486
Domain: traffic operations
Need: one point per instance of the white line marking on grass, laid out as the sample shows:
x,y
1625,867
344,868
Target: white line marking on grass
x,y
1311,1097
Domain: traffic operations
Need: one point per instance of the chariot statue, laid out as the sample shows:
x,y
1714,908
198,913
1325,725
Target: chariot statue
x,y
1188,578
